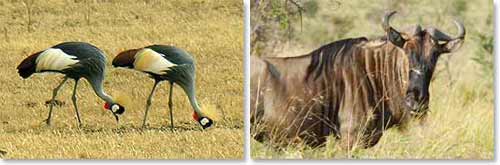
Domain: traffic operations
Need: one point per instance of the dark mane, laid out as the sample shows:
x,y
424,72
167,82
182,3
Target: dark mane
x,y
322,57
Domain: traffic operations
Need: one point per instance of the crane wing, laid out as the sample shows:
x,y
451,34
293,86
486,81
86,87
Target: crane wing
x,y
54,59
147,60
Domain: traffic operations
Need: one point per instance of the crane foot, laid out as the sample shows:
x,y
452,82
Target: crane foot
x,y
47,121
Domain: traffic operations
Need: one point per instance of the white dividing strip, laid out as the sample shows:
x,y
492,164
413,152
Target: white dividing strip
x,y
54,59
150,61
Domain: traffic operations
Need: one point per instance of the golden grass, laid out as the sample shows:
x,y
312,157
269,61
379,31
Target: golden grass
x,y
461,124
212,31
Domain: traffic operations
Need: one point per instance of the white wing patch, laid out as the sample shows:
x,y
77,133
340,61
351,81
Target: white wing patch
x,y
148,60
54,59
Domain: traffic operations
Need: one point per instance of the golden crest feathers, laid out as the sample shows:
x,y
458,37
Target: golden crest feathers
x,y
210,111
122,99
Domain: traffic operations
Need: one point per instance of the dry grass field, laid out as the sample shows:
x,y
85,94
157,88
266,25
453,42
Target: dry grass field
x,y
211,30
461,122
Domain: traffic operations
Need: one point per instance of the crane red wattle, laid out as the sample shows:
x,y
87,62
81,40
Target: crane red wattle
x,y
107,106
195,116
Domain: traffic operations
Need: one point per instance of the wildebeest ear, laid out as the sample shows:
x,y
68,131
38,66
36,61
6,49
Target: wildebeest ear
x,y
395,38
453,45
392,35
417,29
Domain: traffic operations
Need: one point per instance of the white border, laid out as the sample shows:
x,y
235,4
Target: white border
x,y
247,159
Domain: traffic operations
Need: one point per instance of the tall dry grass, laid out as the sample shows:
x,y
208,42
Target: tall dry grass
x,y
210,30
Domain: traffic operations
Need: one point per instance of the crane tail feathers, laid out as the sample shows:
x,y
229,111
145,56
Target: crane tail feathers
x,y
28,66
125,58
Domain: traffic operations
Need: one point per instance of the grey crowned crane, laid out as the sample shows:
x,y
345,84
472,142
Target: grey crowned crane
x,y
75,60
168,63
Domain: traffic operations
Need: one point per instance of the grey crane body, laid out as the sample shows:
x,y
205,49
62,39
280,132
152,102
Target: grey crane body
x,y
75,60
165,63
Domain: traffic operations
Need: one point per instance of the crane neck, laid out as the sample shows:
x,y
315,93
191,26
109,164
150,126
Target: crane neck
x,y
191,94
97,85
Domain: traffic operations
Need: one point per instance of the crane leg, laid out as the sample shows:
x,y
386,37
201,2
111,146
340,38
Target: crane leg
x,y
73,98
148,103
52,101
170,105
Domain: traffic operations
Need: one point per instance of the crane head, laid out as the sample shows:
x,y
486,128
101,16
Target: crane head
x,y
204,121
116,109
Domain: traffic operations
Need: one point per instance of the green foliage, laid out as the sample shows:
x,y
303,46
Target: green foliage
x,y
459,7
484,56
279,13
342,25
311,8
271,23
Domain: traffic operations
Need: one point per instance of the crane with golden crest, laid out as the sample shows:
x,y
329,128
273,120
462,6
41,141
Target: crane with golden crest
x,y
168,63
75,60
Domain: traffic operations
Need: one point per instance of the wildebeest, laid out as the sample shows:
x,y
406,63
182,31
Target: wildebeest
x,y
353,89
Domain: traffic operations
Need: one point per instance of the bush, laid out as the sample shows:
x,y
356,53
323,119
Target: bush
x,y
484,57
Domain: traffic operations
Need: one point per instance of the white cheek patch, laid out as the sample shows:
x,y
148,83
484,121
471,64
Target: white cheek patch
x,y
204,121
148,60
54,59
115,108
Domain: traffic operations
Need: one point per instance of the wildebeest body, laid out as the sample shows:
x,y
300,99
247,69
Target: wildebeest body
x,y
350,88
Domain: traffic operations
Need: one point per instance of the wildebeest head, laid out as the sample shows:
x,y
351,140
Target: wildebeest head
x,y
423,48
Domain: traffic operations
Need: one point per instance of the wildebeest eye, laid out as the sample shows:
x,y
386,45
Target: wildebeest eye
x,y
442,42
416,71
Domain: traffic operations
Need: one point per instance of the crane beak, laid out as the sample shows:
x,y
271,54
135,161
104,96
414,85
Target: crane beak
x,y
116,117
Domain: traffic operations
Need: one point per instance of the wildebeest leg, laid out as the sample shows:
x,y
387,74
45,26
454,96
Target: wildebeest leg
x,y
351,128
258,129
256,102
349,138
260,136
373,131
315,141
372,138
360,134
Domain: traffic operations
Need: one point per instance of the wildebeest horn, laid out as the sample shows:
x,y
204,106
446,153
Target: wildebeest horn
x,y
417,29
386,19
461,29
436,34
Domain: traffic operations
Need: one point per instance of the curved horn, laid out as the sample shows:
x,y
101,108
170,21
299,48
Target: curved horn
x,y
438,35
444,37
386,19
461,29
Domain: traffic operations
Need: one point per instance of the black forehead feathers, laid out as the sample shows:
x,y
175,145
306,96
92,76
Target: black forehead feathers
x,y
120,110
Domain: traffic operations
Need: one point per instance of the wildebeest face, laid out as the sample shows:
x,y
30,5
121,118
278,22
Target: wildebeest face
x,y
423,48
